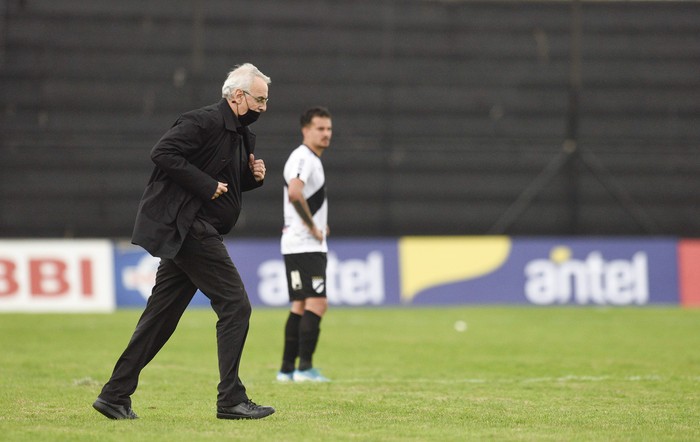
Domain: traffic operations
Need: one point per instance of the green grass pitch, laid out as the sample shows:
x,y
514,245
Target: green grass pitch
x,y
513,373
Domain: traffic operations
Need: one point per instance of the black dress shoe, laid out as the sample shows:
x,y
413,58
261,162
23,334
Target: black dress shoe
x,y
244,410
114,411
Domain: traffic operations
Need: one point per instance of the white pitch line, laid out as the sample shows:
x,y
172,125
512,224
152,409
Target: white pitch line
x,y
560,379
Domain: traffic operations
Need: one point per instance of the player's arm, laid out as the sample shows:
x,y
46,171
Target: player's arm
x,y
296,197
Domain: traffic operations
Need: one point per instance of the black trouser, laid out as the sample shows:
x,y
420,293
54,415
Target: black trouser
x,y
203,262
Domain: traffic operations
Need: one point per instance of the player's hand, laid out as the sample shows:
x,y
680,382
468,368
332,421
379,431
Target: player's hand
x,y
257,167
221,188
316,232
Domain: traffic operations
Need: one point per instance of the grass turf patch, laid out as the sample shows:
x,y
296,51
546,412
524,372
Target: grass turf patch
x,y
514,373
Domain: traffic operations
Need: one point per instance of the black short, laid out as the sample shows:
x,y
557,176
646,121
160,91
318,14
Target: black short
x,y
306,275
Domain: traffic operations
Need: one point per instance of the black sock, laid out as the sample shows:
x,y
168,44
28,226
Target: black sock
x,y
308,337
291,343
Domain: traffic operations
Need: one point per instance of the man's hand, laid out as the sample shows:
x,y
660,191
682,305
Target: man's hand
x,y
257,167
316,232
220,189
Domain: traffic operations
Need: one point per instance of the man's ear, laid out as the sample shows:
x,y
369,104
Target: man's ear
x,y
236,96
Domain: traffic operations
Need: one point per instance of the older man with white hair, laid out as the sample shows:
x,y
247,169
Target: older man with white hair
x,y
203,163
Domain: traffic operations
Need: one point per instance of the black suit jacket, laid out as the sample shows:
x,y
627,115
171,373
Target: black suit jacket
x,y
198,146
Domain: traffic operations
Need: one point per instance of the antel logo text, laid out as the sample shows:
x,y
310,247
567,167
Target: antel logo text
x,y
349,282
593,280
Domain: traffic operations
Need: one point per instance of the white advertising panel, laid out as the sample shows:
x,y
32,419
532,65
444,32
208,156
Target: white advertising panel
x,y
67,276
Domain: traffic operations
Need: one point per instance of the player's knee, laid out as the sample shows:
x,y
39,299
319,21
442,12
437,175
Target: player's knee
x,y
319,306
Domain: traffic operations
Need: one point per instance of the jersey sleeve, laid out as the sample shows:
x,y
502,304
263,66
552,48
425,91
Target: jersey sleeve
x,y
298,166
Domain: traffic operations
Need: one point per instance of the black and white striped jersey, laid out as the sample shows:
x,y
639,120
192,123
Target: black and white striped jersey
x,y
304,164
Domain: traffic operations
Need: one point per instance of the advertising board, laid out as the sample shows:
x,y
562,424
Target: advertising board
x,y
538,271
56,276
689,272
448,270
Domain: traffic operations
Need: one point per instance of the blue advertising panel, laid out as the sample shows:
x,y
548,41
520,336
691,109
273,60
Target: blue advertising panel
x,y
135,274
447,270
540,271
360,272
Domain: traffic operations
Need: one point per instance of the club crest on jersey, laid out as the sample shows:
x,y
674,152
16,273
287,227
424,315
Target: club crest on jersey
x,y
318,283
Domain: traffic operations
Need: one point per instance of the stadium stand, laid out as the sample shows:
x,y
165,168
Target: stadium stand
x,y
445,112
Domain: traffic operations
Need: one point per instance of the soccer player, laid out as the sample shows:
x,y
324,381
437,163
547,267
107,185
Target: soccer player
x,y
304,246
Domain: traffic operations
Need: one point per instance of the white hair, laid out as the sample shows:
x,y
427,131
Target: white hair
x,y
241,78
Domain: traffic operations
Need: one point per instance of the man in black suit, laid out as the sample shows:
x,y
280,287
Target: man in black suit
x,y
202,166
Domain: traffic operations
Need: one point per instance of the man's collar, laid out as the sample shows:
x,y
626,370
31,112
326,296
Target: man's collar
x,y
230,119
